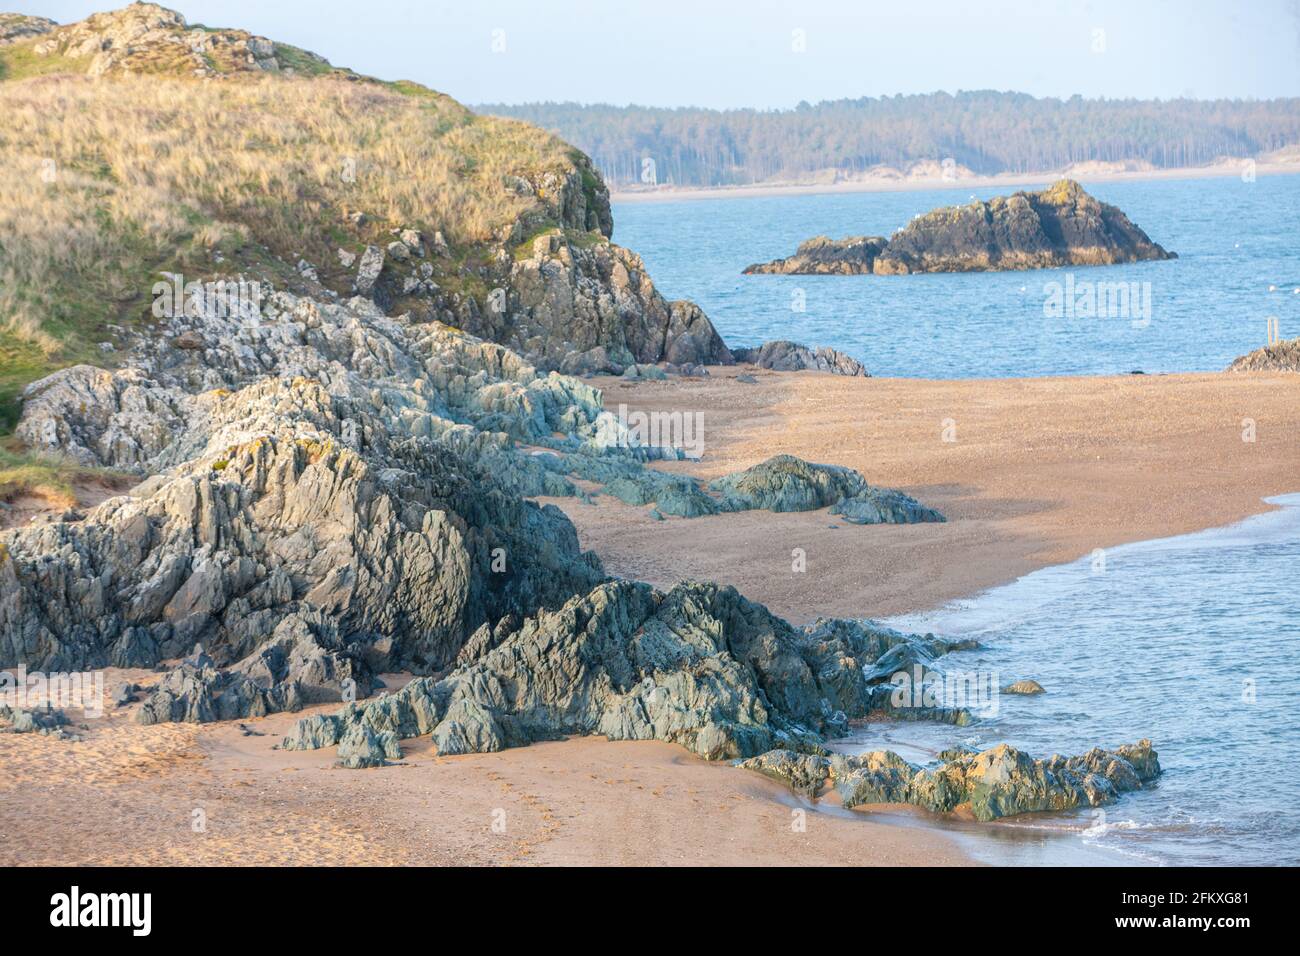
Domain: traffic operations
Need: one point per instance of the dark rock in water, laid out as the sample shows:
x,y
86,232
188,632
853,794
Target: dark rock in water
x,y
998,782
1025,687
878,777
1282,356
698,665
884,506
1059,226
781,355
822,255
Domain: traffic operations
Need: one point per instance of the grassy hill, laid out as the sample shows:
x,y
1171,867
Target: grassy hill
x,y
134,143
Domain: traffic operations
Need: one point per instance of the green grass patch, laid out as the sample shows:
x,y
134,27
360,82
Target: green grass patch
x,y
51,477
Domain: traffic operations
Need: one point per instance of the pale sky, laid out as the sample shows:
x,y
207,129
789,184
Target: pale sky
x,y
727,53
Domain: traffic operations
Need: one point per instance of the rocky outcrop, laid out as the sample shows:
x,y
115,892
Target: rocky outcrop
x,y
884,506
998,782
787,483
146,38
697,665
589,306
529,264
1059,226
1282,356
356,476
305,661
781,355
822,255
334,492
781,483
16,27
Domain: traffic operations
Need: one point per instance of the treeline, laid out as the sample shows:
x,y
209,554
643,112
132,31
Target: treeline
x,y
988,132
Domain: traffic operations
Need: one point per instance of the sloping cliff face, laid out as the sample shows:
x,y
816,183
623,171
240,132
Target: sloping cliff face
x,y
265,163
1060,226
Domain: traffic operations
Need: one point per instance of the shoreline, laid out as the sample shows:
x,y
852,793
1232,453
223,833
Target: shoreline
x,y
1043,469
1042,472
923,184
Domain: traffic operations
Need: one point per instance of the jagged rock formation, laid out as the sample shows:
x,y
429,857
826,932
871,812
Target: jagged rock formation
x,y
146,38
334,492
590,307
1059,226
998,782
782,355
306,661
698,665
357,479
1283,356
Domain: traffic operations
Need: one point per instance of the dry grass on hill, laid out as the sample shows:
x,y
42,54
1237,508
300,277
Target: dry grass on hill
x,y
105,182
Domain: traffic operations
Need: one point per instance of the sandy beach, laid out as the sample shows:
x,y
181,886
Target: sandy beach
x,y
1040,471
669,193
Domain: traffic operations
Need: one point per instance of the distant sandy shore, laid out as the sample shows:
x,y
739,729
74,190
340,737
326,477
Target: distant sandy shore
x,y
1042,471
677,193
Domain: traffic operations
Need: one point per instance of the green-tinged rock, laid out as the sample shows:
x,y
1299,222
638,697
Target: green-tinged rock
x,y
884,506
806,773
787,483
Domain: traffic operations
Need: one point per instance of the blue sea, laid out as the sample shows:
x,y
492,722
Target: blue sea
x,y
1234,239
1193,641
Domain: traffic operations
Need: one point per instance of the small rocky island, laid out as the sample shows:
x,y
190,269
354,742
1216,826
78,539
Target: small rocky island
x,y
1060,226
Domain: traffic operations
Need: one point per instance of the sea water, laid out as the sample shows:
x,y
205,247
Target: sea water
x,y
1192,641
1235,238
